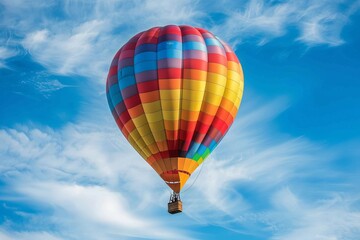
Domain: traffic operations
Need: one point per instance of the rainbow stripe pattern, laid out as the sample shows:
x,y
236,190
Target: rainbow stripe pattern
x,y
174,91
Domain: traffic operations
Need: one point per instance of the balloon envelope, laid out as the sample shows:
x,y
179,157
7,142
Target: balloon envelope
x,y
174,91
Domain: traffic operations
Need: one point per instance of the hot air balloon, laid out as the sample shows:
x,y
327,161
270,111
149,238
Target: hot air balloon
x,y
174,91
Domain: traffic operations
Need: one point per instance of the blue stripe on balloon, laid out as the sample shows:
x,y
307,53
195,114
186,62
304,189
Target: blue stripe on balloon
x,y
201,149
116,98
125,82
115,95
194,46
145,56
125,71
169,54
212,145
169,45
193,147
109,99
114,89
212,41
145,66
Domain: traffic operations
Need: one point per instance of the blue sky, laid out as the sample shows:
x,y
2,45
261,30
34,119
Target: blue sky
x,y
288,169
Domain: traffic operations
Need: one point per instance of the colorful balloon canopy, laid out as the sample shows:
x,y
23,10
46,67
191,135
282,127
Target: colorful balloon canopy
x,y
174,91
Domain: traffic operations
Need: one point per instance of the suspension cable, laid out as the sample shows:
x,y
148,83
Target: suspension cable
x,y
201,168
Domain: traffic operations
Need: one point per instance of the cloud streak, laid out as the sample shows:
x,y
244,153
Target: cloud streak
x,y
317,23
5,235
5,53
85,174
94,31
328,218
263,189
91,32
83,178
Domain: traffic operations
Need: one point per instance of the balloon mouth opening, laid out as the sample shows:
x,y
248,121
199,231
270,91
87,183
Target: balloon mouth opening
x,y
177,182
174,171
175,178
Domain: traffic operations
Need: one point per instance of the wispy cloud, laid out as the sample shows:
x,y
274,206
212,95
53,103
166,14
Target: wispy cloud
x,y
90,32
98,212
89,174
93,31
330,217
322,23
68,53
267,186
6,53
87,180
6,235
317,23
256,19
258,160
42,82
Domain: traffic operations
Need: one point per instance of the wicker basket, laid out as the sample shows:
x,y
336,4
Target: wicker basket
x,y
175,207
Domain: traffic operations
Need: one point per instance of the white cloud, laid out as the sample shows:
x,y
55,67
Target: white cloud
x,y
14,235
257,160
76,153
85,40
319,22
42,82
235,191
96,209
89,179
69,52
323,23
6,53
256,19
50,86
325,219
86,43
87,174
